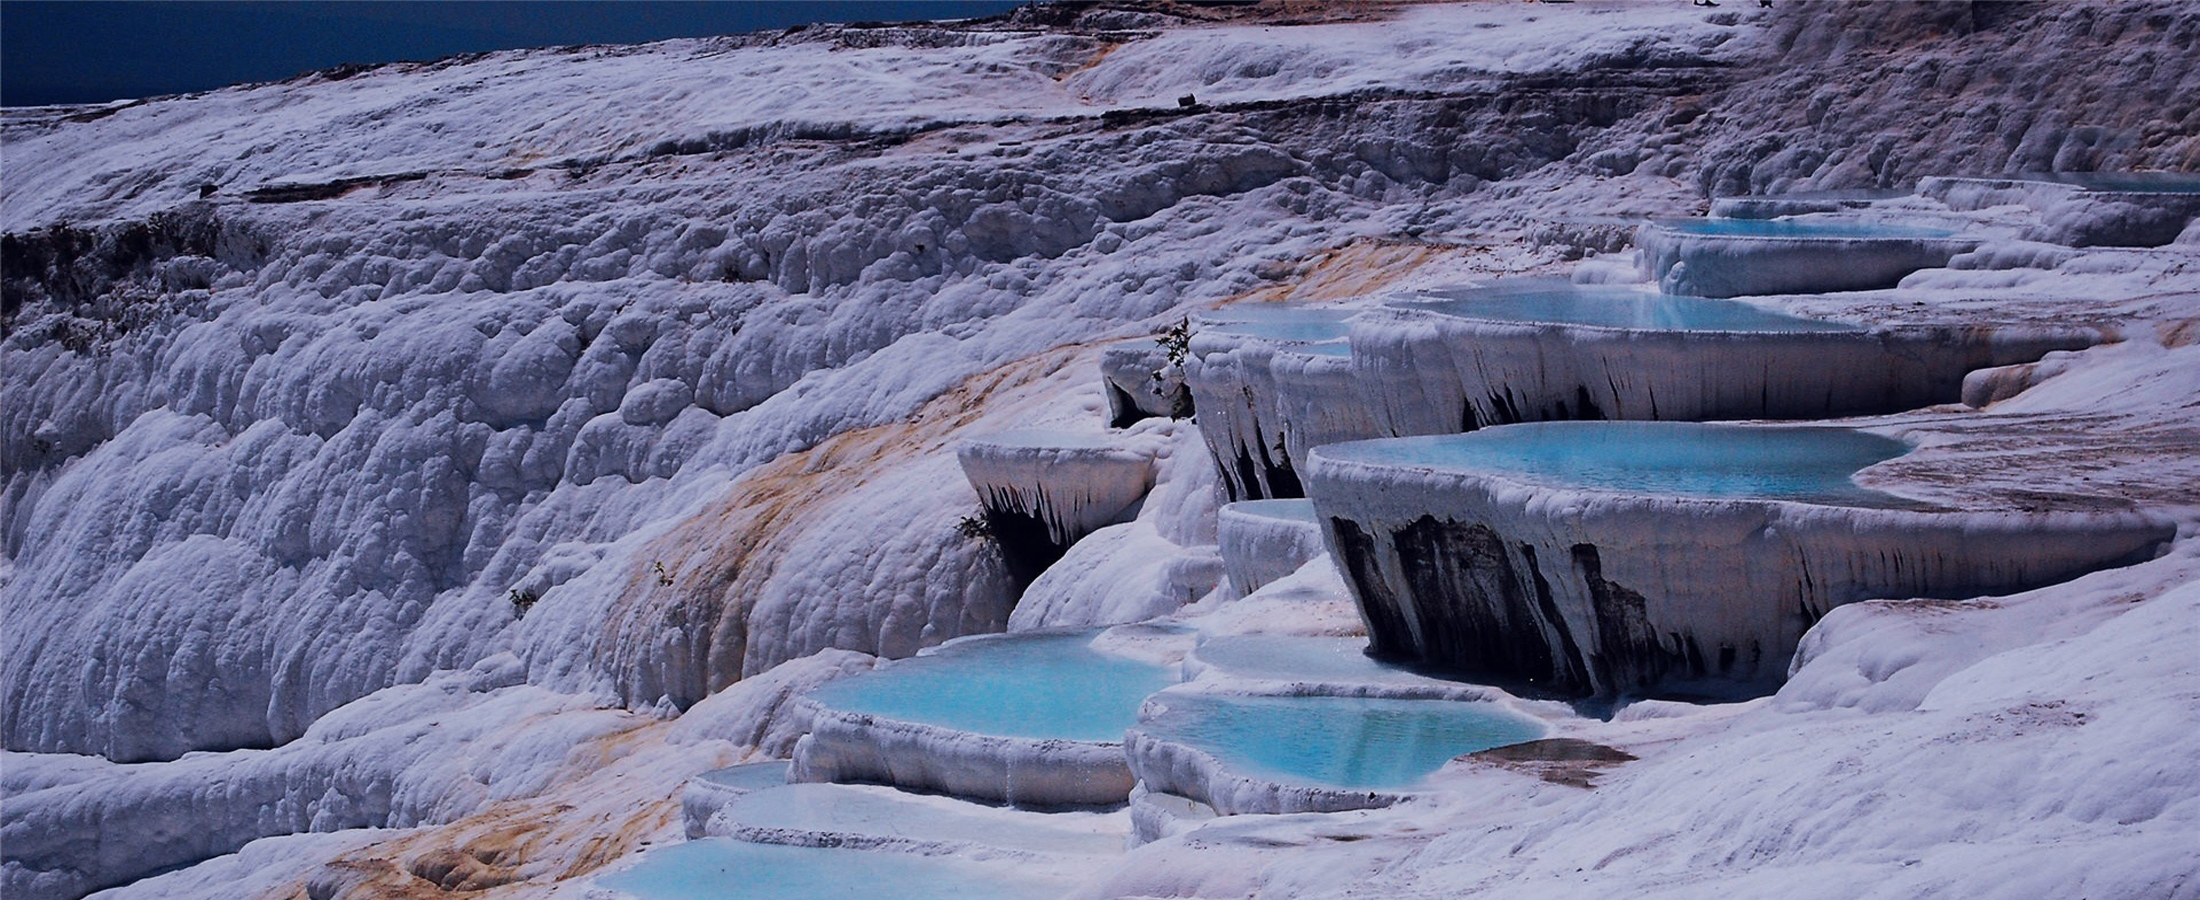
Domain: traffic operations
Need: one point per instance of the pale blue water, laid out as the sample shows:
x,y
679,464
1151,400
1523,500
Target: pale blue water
x,y
1027,686
1850,194
1292,510
840,809
1784,228
1807,464
754,776
1279,657
1045,437
1347,742
1278,322
1614,307
2129,182
725,869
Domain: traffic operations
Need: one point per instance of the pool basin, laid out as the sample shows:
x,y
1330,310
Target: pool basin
x,y
1269,385
1468,358
1032,719
1738,257
1276,754
1655,558
726,869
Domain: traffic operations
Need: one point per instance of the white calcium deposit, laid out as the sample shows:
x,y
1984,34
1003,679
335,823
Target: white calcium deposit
x,y
507,439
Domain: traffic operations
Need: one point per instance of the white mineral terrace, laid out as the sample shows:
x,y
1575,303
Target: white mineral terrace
x,y
522,462
1263,540
2129,209
1470,358
1142,382
1067,483
1614,558
1243,362
1033,720
1737,257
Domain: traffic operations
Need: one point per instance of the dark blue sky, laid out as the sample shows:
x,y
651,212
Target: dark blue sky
x,y
85,52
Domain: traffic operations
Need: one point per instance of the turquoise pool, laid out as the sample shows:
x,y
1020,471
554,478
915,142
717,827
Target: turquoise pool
x,y
1346,742
1787,228
754,776
1286,510
725,869
1806,464
1276,322
1612,307
1026,686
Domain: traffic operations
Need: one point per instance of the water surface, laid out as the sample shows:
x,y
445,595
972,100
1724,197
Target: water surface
x,y
1801,463
1347,742
883,812
753,776
1786,228
1277,322
725,869
1613,307
1287,510
1027,686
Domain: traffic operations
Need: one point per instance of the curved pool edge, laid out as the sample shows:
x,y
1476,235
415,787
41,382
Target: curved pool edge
x,y
1740,265
1599,592
1193,774
845,746
1424,372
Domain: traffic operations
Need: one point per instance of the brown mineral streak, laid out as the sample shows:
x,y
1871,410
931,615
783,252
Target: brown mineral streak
x,y
510,846
717,560
721,557
1354,269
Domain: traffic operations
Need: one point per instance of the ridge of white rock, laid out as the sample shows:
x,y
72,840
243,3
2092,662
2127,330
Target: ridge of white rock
x,y
1734,261
669,347
1426,372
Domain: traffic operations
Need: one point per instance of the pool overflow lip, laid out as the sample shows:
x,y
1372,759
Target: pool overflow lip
x,y
1740,257
1333,752
1041,490
1451,565
982,718
1271,381
1460,359
1264,540
1582,583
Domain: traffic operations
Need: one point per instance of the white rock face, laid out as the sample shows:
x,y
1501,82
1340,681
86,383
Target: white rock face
x,y
1263,403
1422,372
670,347
1065,484
2078,214
1633,592
845,746
1151,566
1143,382
1265,540
1734,265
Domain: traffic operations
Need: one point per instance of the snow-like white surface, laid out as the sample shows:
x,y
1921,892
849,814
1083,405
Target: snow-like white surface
x,y
673,344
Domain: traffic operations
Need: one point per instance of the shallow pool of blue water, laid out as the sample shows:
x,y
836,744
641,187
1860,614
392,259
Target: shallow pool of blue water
x,y
1288,510
1613,307
754,776
1277,322
1346,742
1027,686
876,812
725,869
1788,228
2130,182
1806,464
